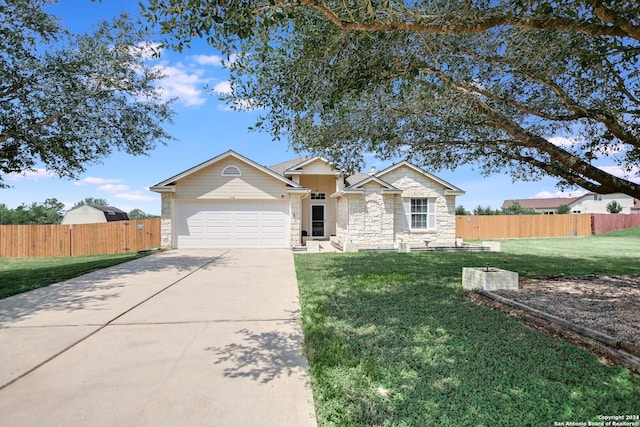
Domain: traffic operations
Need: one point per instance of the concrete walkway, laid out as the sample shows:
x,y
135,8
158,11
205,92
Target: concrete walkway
x,y
189,338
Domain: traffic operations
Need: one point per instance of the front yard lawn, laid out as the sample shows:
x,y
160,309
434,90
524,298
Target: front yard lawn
x,y
24,274
391,341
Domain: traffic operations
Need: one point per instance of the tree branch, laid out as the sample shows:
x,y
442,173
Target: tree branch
x,y
445,24
611,17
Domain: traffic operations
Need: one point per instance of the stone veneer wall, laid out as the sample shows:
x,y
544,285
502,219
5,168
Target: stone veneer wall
x,y
416,185
371,218
365,220
295,215
342,216
165,219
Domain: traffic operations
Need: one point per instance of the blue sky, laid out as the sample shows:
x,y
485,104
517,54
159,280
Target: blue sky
x,y
205,127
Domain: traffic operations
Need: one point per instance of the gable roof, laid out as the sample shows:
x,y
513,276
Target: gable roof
x,y
372,178
548,203
111,213
355,178
288,164
168,184
450,189
293,167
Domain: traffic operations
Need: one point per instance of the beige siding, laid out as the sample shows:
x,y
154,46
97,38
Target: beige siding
x,y
209,183
317,167
324,184
589,204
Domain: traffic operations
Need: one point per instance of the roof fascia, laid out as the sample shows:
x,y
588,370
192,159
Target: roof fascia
x,y
376,179
165,189
440,181
229,153
292,169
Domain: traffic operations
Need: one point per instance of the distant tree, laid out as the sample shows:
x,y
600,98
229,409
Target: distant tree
x,y
614,207
460,210
48,212
479,210
6,214
563,209
517,209
92,201
140,214
68,100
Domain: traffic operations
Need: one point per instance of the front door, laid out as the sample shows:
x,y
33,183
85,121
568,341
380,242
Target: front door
x,y
317,220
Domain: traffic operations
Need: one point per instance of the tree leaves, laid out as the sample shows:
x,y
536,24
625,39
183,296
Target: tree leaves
x,y
67,100
445,83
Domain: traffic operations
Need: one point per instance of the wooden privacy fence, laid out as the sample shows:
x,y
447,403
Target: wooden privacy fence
x,y
37,241
606,223
478,227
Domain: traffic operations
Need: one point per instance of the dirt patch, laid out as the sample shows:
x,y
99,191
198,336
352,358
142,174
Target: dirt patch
x,y
608,304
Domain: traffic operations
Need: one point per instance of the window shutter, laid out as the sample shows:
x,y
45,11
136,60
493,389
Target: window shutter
x,y
431,216
406,218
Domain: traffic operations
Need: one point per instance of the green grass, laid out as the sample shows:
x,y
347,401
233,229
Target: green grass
x,y
378,322
19,275
621,243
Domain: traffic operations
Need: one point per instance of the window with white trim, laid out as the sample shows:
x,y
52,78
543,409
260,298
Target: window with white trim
x,y
420,213
231,171
318,196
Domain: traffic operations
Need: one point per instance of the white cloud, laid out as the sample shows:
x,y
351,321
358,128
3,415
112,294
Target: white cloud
x,y
241,105
32,175
223,88
113,188
67,206
136,196
96,180
147,50
215,60
562,141
208,60
618,171
181,83
558,194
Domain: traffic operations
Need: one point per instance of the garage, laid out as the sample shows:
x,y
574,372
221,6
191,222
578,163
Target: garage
x,y
232,224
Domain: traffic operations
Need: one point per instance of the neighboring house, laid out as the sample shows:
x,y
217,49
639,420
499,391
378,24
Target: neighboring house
x,y
231,201
91,214
587,203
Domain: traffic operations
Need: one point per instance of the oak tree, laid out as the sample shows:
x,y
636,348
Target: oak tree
x,y
531,87
67,100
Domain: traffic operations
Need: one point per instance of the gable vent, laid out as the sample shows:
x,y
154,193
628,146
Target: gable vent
x,y
231,171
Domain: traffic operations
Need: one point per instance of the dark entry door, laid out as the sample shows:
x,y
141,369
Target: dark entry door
x,y
317,220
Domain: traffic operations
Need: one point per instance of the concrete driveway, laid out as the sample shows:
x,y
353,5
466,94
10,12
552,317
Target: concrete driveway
x,y
192,338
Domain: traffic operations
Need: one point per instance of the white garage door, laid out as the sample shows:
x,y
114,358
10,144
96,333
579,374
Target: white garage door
x,y
232,224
